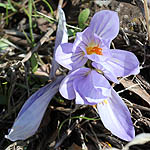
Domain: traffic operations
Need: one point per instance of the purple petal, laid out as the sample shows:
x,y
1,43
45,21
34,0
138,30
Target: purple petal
x,y
66,87
80,99
92,88
31,114
81,37
89,39
63,55
116,117
107,73
67,58
105,24
61,37
38,94
122,63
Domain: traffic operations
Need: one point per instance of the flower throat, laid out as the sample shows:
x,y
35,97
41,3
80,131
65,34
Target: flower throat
x,y
94,50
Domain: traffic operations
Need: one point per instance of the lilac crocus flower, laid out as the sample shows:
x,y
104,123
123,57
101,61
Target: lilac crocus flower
x,y
87,86
94,44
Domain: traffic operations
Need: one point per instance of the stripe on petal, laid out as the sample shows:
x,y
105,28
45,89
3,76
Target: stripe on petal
x,y
122,63
116,117
61,37
107,73
63,55
79,97
66,87
31,114
93,87
105,24
67,58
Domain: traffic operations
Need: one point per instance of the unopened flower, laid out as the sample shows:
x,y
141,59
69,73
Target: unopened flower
x,y
94,44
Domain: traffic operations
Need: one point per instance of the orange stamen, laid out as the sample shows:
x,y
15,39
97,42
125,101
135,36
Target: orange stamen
x,y
94,50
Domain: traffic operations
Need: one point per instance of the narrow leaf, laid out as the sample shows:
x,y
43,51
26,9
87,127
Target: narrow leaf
x,y
34,63
3,46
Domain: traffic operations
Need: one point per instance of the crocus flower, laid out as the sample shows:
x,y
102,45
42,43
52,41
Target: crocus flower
x,y
87,86
94,44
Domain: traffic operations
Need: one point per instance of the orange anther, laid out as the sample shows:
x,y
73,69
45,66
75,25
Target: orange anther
x,y
94,50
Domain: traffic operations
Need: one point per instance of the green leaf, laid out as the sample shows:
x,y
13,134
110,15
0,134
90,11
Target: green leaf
x,y
83,16
3,45
34,63
71,32
11,6
5,5
49,6
30,2
76,117
8,6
